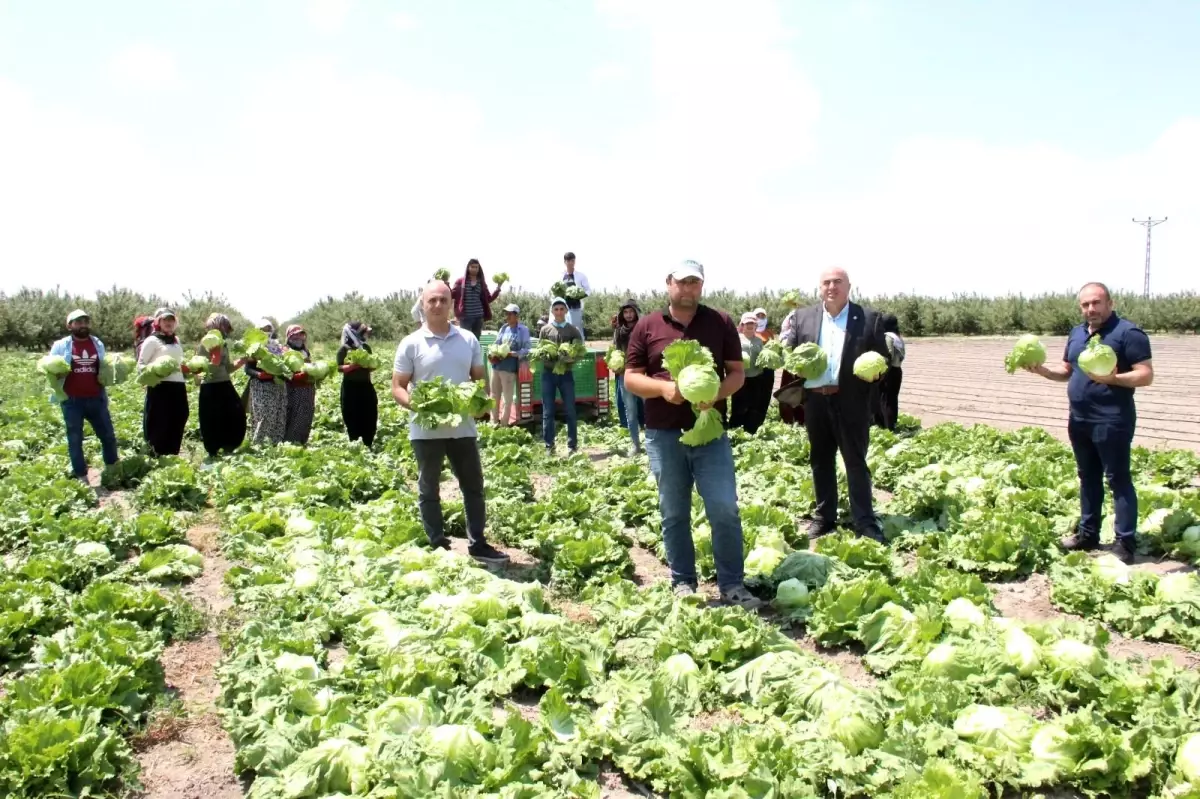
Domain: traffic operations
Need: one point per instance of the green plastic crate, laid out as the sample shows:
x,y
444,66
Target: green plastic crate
x,y
585,377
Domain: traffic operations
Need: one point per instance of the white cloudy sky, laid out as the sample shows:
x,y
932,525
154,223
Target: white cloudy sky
x,y
278,151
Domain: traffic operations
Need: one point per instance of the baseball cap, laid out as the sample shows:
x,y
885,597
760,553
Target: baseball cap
x,y
749,317
557,301
512,307
163,313
78,313
687,269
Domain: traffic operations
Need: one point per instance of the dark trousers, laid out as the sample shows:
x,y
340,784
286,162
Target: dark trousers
x,y
166,416
889,398
832,428
472,323
360,410
463,454
1102,452
222,418
94,410
750,403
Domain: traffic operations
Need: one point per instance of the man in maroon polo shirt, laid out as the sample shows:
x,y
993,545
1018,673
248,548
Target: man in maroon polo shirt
x,y
676,466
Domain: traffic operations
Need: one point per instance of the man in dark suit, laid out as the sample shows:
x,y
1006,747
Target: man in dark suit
x,y
838,405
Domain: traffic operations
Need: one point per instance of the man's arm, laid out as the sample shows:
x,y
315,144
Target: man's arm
x,y
400,393
642,385
1059,374
478,372
735,378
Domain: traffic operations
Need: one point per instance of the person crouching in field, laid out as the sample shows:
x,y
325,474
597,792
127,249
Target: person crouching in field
x,y
360,403
222,417
167,409
1102,418
86,398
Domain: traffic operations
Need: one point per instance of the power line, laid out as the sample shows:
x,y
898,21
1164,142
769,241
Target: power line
x,y
1148,223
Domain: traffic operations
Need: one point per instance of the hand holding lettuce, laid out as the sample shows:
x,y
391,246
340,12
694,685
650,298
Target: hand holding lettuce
x,y
691,367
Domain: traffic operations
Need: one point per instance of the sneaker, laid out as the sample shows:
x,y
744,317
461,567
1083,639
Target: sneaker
x,y
443,544
486,553
1122,552
1080,542
875,535
683,589
817,528
742,598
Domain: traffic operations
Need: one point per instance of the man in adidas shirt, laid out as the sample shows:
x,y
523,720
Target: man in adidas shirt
x,y
86,398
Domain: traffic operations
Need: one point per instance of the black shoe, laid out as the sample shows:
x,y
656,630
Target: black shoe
x,y
1080,542
486,553
443,544
1122,552
817,528
875,534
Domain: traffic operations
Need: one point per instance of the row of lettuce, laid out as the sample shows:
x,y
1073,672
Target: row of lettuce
x,y
373,666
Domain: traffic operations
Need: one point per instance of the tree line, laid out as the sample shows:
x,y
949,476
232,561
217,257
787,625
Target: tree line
x,y
31,319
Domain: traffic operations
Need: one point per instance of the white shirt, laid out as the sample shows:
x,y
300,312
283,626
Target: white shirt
x,y
581,281
832,340
425,355
153,349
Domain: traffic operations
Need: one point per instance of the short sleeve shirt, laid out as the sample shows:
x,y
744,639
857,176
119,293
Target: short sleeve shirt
x,y
426,355
1096,402
654,332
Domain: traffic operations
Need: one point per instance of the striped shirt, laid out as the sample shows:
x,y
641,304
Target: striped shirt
x,y
472,304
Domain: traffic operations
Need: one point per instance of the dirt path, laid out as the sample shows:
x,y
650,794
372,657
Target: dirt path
x,y
195,759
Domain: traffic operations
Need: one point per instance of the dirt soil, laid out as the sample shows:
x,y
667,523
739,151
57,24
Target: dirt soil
x,y
196,762
647,568
963,380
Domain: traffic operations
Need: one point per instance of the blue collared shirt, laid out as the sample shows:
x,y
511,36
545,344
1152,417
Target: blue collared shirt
x,y
832,339
1097,402
518,339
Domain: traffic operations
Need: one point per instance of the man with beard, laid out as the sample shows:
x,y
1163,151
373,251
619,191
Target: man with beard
x,y
86,398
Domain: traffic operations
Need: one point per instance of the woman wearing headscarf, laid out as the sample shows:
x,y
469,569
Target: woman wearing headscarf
x,y
787,413
472,300
268,399
166,412
301,394
360,404
222,417
764,384
630,409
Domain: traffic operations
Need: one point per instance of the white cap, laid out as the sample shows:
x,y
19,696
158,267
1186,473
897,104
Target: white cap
x,y
749,317
557,301
78,313
688,269
759,311
512,307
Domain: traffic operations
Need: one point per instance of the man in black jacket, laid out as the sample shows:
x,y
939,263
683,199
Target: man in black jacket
x,y
838,405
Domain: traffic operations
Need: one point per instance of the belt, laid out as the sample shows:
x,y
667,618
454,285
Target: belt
x,y
825,391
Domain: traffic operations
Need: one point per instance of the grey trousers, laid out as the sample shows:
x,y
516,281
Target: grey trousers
x,y
463,454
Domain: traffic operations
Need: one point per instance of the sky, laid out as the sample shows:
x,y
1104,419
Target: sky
x,y
280,151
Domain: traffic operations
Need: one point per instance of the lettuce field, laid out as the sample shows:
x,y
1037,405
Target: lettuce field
x,y
273,625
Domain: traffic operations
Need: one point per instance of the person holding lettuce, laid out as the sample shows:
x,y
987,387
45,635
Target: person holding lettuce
x,y
268,399
301,393
166,411
82,396
222,417
504,370
559,331
360,403
631,409
472,300
749,411
839,404
677,465
1106,359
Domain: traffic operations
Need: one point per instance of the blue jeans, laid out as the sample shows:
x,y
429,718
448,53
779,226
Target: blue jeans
x,y
564,386
95,410
709,468
631,411
1102,451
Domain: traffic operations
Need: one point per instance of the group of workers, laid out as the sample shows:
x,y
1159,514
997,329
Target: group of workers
x,y
836,408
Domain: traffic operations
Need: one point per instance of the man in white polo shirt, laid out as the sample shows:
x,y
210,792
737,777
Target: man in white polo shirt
x,y
440,349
